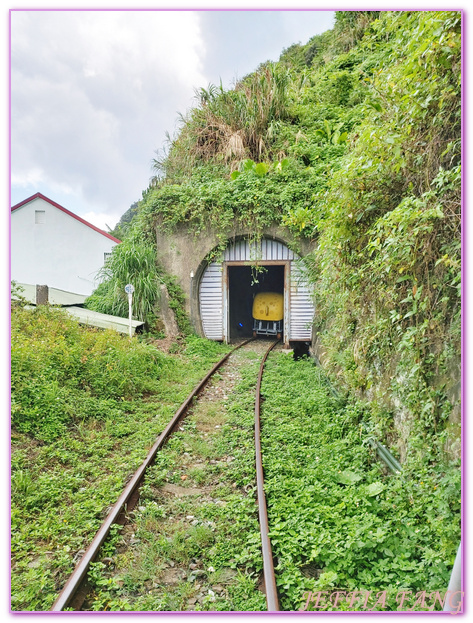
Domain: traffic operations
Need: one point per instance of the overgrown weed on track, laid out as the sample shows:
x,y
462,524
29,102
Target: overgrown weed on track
x,y
193,542
338,521
86,407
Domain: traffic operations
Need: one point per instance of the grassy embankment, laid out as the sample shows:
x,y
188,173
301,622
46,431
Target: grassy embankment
x,y
338,519
86,407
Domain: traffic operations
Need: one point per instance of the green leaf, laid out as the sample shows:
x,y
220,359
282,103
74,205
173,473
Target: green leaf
x,y
328,130
261,169
348,478
376,105
374,488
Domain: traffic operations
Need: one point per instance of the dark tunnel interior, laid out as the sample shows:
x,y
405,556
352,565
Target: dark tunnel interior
x,y
243,285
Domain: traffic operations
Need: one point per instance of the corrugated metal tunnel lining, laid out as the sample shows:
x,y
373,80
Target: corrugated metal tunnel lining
x,y
227,288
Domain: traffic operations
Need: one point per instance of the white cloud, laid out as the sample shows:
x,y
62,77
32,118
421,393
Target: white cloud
x,y
32,177
136,43
101,220
93,93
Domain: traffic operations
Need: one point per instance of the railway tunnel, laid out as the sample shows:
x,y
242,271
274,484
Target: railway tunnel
x,y
244,282
228,285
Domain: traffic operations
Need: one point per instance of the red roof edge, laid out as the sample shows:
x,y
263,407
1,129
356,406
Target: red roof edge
x,y
56,205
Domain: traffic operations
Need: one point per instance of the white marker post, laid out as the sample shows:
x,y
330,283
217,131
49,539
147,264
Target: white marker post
x,y
129,289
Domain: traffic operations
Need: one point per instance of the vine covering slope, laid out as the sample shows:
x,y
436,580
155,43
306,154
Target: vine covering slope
x,y
353,141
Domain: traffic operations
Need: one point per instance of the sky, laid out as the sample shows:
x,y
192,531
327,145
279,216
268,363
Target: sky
x,y
94,92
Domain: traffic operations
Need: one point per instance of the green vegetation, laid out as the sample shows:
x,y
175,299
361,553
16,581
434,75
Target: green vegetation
x,y
134,261
123,226
131,262
338,521
389,242
228,126
63,374
351,141
86,407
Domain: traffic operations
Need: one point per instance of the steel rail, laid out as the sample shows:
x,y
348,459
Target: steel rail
x,y
79,575
268,566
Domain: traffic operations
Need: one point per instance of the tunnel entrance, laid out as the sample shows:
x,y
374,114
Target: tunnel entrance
x,y
222,291
243,285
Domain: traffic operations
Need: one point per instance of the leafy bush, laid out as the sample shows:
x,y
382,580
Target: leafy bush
x,y
134,262
86,407
61,372
229,126
337,521
389,244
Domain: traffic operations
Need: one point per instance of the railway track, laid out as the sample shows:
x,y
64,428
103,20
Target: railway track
x,y
74,593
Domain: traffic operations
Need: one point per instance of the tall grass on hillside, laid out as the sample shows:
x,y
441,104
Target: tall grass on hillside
x,y
229,125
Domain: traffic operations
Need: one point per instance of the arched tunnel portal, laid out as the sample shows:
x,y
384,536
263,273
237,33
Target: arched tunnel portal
x,y
226,289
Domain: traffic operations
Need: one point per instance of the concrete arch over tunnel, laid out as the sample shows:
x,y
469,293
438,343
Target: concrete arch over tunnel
x,y
226,287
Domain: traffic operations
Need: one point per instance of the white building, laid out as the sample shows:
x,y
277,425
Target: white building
x,y
54,247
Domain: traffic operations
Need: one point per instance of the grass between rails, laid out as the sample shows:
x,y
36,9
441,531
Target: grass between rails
x,y
193,542
86,407
337,520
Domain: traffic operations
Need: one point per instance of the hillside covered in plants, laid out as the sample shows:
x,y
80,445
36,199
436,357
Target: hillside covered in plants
x,y
353,142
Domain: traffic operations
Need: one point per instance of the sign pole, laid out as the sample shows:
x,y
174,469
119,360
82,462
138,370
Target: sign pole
x,y
129,289
130,296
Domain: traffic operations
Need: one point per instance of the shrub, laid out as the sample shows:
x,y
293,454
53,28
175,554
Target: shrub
x,y
62,372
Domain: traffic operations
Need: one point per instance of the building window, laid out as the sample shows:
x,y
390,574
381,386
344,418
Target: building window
x,y
40,217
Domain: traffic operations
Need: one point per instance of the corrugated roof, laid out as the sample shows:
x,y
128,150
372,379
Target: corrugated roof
x,y
70,301
56,296
102,321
